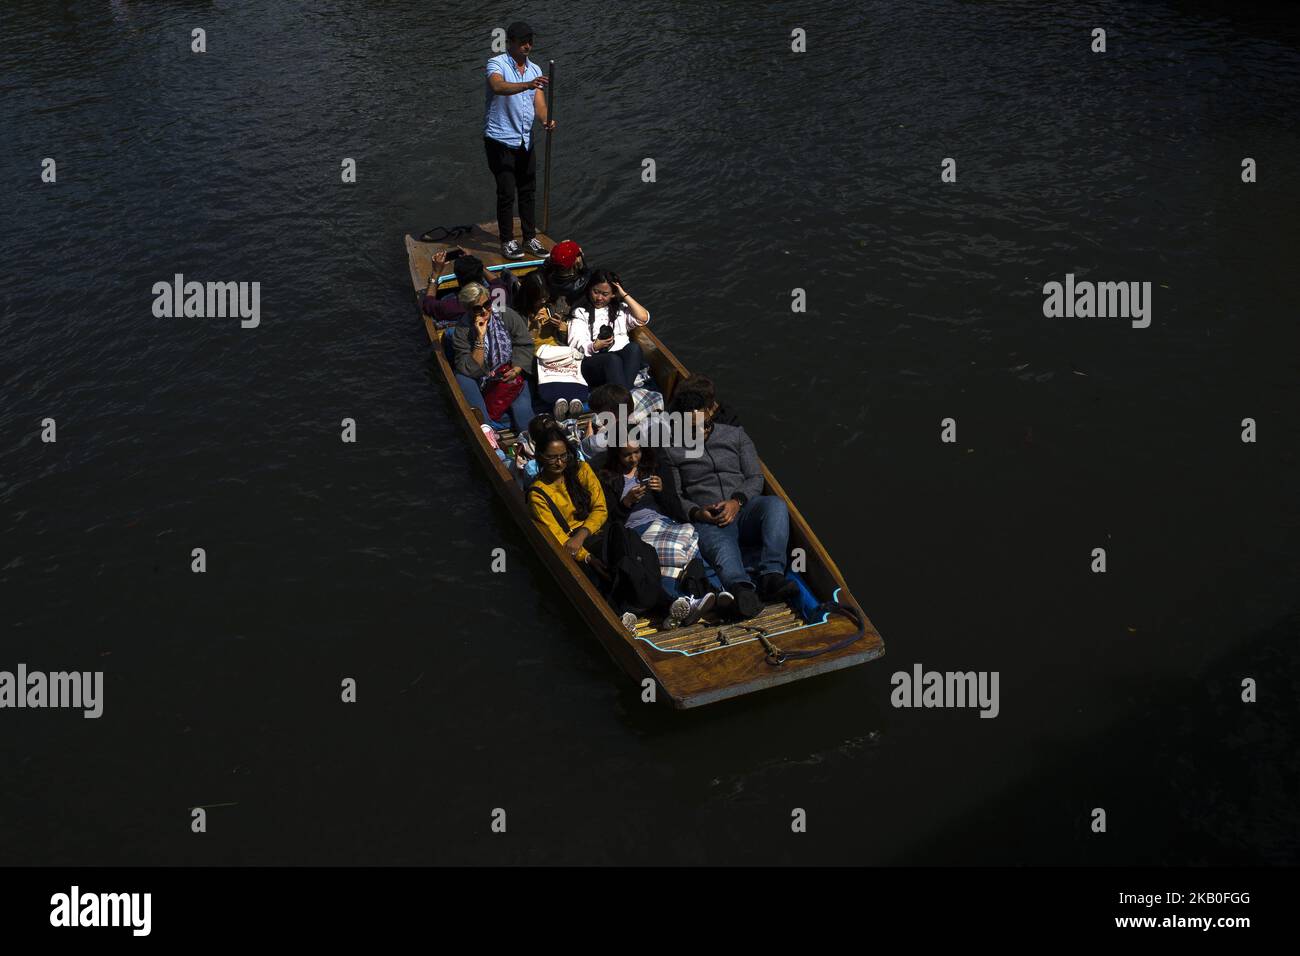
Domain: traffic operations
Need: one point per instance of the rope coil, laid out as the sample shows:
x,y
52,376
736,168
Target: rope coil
x,y
776,657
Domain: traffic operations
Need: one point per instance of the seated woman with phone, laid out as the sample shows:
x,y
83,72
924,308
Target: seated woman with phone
x,y
559,371
641,497
599,327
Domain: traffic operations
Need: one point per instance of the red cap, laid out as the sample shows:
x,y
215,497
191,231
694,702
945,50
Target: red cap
x,y
565,254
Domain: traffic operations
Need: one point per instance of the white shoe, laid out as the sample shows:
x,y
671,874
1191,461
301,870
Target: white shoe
x,y
575,408
698,608
562,409
629,622
678,613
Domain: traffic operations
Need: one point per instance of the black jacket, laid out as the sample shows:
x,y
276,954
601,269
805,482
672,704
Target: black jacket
x,y
665,502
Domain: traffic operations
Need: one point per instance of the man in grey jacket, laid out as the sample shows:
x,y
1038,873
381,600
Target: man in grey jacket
x,y
721,491
488,345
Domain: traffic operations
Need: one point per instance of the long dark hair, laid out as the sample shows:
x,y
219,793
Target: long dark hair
x,y
577,492
611,469
615,303
531,295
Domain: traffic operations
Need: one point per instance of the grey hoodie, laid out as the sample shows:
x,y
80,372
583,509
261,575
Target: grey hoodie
x,y
728,465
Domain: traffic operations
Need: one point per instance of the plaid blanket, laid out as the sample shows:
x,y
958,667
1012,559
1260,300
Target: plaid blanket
x,y
644,403
675,544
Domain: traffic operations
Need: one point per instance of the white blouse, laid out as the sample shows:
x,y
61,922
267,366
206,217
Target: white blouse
x,y
582,330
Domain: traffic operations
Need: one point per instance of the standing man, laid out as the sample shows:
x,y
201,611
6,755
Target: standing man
x,y
515,95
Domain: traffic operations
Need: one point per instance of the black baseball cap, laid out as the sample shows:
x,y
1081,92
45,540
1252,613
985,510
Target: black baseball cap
x,y
519,31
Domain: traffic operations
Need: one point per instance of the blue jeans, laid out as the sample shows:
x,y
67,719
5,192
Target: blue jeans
x,y
673,586
521,409
614,368
763,522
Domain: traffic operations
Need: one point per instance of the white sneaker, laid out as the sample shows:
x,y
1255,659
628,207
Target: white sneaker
x,y
678,613
575,408
562,409
511,250
698,608
629,622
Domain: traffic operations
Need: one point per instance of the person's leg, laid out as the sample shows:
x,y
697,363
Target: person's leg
x,y
473,395
765,521
502,165
526,177
630,360
551,391
521,411
601,368
672,587
721,548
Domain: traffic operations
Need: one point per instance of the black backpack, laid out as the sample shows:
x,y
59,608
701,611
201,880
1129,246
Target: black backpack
x,y
633,564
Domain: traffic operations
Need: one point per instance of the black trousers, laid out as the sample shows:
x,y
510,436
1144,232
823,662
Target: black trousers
x,y
515,172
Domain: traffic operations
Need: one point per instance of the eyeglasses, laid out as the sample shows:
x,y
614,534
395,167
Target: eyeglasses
x,y
562,456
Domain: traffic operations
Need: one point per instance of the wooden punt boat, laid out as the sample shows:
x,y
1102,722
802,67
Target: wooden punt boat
x,y
708,661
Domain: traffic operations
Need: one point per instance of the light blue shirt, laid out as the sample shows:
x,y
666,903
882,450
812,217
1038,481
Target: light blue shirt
x,y
509,119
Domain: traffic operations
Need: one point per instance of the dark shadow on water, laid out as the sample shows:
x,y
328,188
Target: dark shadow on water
x,y
1191,776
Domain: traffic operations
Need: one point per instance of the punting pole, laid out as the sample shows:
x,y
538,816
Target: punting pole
x,y
546,184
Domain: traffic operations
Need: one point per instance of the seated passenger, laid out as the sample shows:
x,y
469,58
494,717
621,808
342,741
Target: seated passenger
x,y
559,373
566,274
447,310
718,413
599,326
639,408
525,450
605,399
568,501
721,493
490,351
640,496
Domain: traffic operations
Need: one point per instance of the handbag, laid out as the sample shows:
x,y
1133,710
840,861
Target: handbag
x,y
498,394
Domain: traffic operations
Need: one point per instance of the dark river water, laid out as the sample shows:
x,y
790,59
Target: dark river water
x,y
775,170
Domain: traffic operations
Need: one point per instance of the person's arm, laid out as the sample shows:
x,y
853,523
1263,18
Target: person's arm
x,y
640,316
523,351
556,321
539,107
469,359
752,486
503,87
542,514
690,510
580,331
667,499
599,513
